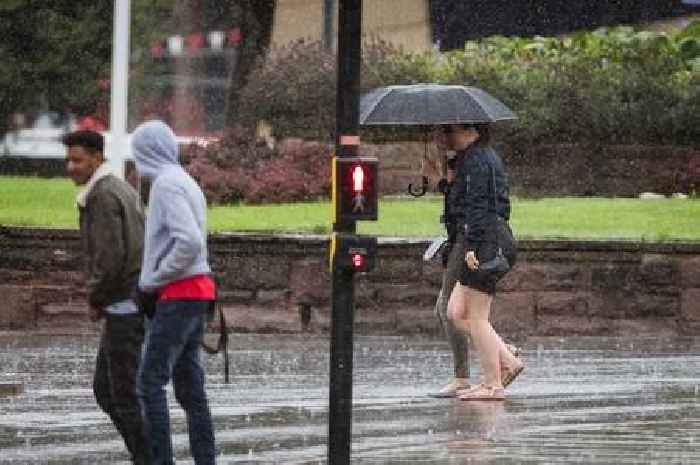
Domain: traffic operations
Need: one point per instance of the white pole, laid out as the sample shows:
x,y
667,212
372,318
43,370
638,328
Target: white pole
x,y
117,147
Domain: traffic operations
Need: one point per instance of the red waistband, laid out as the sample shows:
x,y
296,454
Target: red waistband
x,y
198,287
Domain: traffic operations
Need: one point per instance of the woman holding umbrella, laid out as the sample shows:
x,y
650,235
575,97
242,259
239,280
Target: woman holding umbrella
x,y
479,212
481,188
452,260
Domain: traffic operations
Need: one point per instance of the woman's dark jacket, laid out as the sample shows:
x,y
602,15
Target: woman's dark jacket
x,y
470,202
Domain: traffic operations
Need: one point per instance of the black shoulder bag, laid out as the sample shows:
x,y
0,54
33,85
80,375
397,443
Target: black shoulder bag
x,y
499,265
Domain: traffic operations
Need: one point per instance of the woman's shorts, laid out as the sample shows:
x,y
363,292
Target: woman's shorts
x,y
485,281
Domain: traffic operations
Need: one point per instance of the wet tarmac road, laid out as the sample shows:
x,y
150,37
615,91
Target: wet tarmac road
x,y
588,401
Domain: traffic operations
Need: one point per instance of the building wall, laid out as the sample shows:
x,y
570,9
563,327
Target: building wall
x,y
404,23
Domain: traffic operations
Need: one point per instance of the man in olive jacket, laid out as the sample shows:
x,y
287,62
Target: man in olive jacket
x,y
112,233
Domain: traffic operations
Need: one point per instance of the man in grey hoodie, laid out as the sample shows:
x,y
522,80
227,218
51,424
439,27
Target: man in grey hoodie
x,y
175,268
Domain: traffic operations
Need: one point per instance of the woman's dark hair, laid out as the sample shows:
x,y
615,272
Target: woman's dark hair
x,y
452,163
484,131
91,141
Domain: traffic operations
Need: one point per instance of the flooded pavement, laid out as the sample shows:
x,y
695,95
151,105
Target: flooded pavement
x,y
579,400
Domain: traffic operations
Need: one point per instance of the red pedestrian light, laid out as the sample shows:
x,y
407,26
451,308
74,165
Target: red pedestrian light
x,y
355,188
358,179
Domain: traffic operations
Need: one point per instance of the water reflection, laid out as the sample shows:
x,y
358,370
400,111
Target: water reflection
x,y
480,421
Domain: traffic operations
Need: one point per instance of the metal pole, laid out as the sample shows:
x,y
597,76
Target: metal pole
x,y
117,148
327,36
347,142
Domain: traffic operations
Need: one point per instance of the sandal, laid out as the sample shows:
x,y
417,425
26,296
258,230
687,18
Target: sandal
x,y
483,392
464,390
508,376
515,350
451,389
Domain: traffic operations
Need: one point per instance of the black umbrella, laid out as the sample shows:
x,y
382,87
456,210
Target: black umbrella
x,y
431,104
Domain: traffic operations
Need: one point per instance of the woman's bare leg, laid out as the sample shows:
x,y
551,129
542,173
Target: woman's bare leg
x,y
458,309
487,342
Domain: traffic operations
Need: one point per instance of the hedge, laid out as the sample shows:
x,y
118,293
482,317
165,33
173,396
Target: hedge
x,y
612,86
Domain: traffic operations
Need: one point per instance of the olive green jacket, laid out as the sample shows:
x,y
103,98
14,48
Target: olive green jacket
x,y
112,233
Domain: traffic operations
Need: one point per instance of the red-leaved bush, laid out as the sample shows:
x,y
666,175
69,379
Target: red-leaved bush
x,y
241,167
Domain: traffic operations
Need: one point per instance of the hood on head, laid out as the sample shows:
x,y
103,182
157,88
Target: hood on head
x,y
155,147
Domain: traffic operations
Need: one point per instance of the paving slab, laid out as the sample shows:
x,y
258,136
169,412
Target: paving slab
x,y
579,400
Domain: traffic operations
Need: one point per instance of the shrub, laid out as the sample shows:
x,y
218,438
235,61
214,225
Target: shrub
x,y
242,168
295,86
294,89
611,86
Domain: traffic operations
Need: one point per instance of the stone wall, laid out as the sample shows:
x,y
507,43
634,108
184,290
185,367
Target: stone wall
x,y
281,284
23,166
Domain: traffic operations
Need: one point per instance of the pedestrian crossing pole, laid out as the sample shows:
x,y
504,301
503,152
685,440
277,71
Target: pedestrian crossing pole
x,y
346,147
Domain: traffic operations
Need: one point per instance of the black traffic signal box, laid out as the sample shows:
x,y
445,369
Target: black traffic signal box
x,y
355,253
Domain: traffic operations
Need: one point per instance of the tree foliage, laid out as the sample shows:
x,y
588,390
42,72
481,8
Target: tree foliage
x,y
56,54
609,86
53,54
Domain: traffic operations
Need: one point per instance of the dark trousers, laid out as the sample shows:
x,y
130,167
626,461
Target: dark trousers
x,y
173,352
114,384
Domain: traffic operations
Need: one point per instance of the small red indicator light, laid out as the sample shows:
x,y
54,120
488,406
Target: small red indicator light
x,y
357,260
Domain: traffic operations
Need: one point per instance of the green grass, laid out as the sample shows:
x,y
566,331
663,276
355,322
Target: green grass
x,y
37,202
598,218
51,203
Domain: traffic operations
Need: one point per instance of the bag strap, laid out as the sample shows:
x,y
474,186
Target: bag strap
x,y
222,343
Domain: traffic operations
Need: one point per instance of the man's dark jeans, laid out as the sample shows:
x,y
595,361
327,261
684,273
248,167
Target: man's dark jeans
x,y
115,381
173,351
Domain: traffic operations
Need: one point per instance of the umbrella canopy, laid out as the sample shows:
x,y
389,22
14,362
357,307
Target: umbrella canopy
x,y
431,104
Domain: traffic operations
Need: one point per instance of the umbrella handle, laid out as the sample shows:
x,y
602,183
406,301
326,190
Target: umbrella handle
x,y
424,188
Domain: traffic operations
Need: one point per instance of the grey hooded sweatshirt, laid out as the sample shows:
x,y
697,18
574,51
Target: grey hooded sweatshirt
x,y
176,224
